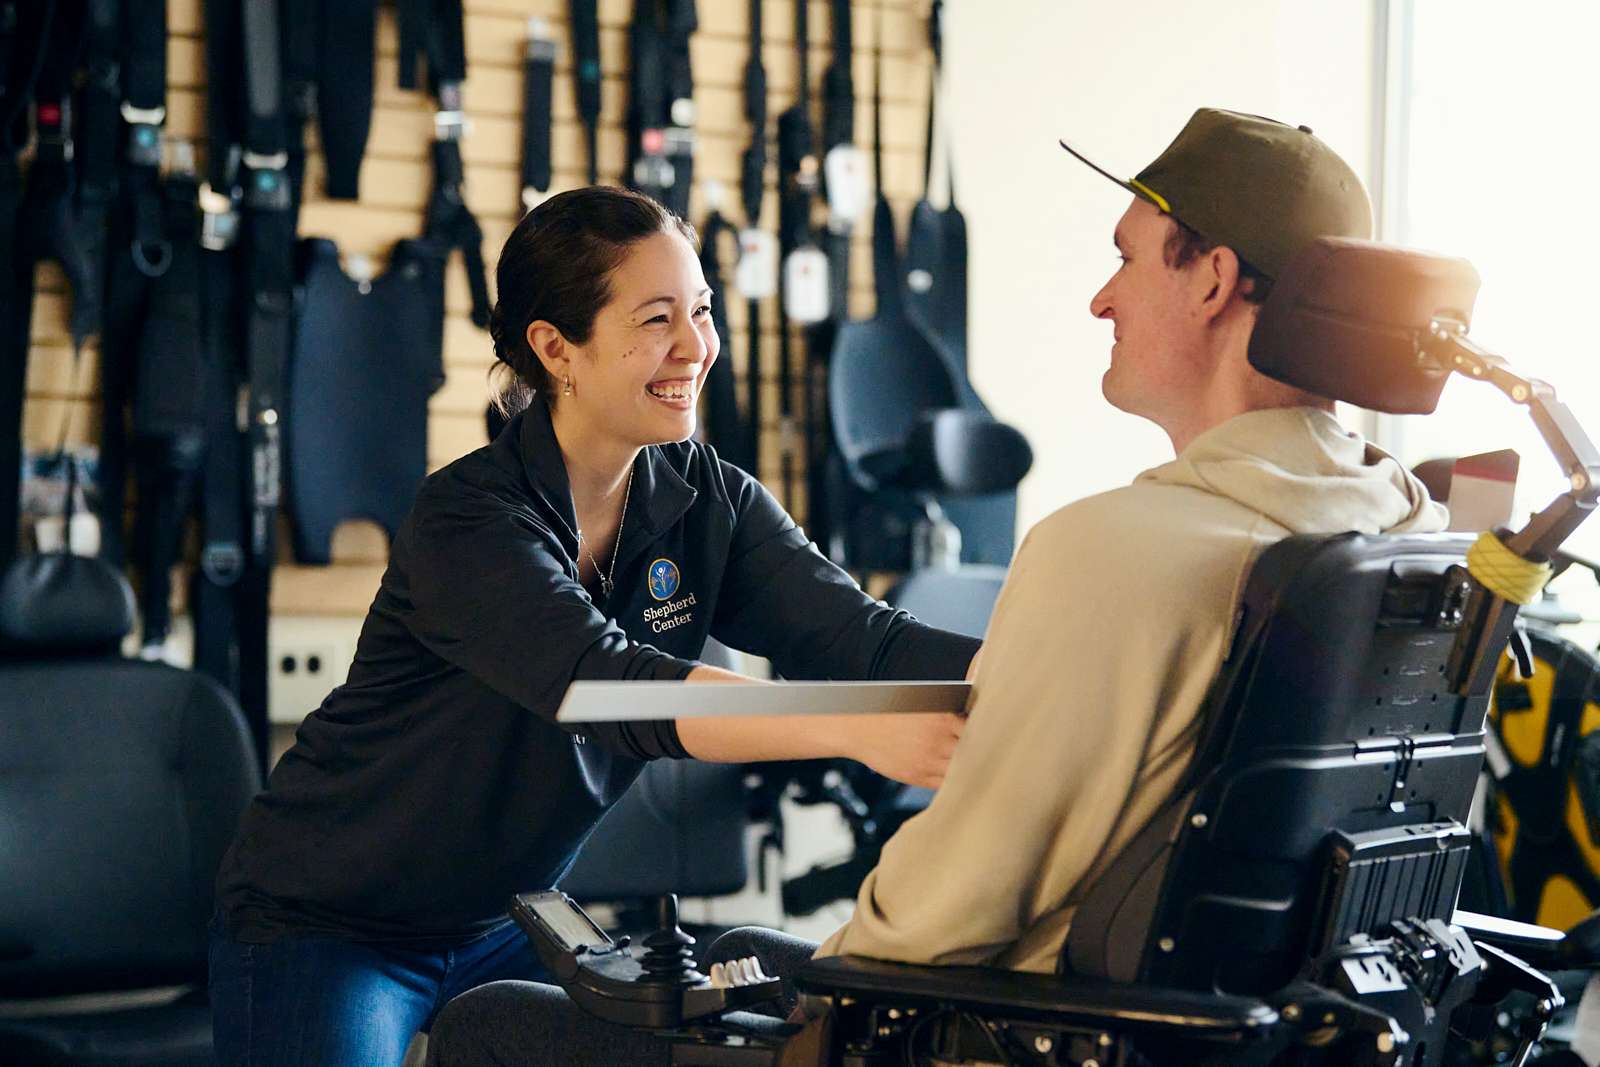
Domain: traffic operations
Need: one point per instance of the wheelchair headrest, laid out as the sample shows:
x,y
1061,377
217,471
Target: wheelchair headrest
x,y
1342,321
55,604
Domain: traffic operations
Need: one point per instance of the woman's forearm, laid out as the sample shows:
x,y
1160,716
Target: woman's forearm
x,y
758,737
913,748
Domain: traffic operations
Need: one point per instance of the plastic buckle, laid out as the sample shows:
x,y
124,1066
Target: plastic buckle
x,y
144,144
219,219
222,562
268,187
450,121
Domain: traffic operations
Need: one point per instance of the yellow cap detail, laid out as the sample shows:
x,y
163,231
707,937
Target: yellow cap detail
x,y
1160,201
1503,572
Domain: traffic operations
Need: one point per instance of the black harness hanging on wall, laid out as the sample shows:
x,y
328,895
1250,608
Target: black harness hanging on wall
x,y
538,73
756,276
723,427
24,41
434,28
585,19
137,252
936,244
368,355
661,102
805,267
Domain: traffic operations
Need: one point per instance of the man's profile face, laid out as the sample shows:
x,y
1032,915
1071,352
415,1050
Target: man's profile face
x,y
1148,304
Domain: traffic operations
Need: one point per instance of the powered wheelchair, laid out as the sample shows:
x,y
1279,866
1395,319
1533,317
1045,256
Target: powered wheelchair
x,y
1295,899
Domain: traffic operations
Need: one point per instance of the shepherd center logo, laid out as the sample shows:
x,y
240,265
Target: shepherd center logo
x,y
663,579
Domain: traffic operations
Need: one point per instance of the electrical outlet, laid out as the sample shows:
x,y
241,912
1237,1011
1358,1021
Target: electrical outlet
x,y
308,656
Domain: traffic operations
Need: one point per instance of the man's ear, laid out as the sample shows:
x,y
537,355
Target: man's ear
x,y
1218,273
550,348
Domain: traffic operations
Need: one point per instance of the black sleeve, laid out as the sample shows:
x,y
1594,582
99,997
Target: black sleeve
x,y
782,599
490,594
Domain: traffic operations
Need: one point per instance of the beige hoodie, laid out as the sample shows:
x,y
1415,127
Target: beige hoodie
x,y
1103,644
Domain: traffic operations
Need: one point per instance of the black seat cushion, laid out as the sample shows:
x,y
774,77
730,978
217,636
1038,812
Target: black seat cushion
x,y
168,1035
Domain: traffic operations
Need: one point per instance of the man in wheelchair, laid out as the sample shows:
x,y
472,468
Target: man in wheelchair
x,y
1209,804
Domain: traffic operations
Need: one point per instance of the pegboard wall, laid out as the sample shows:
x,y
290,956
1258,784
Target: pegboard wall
x,y
396,179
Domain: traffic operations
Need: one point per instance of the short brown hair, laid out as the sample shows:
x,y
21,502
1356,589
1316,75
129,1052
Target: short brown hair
x,y
1185,245
556,266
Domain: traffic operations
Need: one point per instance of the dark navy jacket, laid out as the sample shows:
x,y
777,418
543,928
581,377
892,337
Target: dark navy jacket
x,y
435,783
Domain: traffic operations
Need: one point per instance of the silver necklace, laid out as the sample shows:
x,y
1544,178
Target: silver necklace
x,y
606,583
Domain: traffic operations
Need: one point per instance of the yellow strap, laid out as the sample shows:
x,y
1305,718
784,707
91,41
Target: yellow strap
x,y
1503,572
1161,201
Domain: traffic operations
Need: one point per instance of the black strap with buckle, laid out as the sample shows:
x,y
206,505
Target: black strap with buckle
x,y
585,18
538,72
797,186
25,38
753,191
437,28
661,102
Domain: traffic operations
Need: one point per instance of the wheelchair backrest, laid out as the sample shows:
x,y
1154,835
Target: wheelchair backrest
x,y
1330,789
120,786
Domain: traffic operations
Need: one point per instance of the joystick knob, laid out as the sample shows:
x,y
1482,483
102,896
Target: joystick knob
x,y
667,956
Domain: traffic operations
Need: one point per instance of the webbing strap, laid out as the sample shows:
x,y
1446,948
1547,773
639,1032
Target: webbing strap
x,y
722,413
96,152
661,101
585,18
753,169
22,52
538,71
753,191
46,228
222,547
168,412
144,94
13,362
344,92
838,128
432,30
885,248
303,22
450,222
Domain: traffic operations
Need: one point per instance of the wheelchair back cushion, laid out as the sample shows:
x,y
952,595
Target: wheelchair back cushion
x,y
120,783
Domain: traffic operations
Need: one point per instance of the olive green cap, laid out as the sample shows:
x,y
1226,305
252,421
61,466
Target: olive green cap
x,y
1260,187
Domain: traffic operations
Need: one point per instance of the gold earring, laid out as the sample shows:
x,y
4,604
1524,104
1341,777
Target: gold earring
x,y
566,385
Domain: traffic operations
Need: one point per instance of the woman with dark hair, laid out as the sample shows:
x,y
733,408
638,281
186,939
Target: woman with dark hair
x,y
592,539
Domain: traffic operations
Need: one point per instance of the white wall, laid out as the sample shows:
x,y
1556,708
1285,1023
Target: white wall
x,y
1118,81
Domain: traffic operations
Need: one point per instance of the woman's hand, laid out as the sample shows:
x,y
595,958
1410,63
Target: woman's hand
x,y
911,748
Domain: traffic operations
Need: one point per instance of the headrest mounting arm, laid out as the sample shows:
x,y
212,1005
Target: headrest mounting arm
x,y
1487,624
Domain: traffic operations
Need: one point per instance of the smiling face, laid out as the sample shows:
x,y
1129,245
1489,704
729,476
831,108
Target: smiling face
x,y
1154,360
637,378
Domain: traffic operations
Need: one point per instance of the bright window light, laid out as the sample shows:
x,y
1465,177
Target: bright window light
x,y
1495,140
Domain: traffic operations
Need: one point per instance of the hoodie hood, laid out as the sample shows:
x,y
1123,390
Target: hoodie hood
x,y
1305,472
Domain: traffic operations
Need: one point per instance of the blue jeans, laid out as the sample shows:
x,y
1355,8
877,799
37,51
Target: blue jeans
x,y
323,1002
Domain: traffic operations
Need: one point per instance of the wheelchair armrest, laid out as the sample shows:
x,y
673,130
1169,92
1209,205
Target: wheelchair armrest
x,y
1538,946
1046,998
